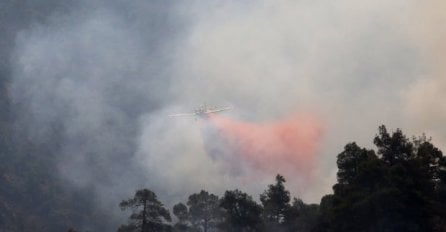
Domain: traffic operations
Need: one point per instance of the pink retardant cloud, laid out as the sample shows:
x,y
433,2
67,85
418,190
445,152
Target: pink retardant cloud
x,y
286,146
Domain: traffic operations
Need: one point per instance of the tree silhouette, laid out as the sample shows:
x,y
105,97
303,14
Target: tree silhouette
x,y
277,211
241,212
181,212
307,216
397,189
204,211
149,215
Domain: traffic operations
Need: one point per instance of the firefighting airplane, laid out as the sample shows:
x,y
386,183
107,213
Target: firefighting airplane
x,y
202,111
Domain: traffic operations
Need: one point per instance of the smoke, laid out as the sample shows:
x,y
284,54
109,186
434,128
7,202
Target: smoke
x,y
82,81
99,81
425,106
347,63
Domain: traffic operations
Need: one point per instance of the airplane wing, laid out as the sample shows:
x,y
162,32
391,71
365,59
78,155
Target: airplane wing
x,y
182,115
218,110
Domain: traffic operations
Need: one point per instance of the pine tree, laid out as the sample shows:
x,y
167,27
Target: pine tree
x,y
181,212
397,189
204,211
149,214
241,212
277,211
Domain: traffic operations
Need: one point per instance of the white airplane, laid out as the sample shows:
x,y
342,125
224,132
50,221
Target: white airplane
x,y
202,111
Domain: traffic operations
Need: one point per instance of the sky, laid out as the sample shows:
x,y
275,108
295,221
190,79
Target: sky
x,y
105,75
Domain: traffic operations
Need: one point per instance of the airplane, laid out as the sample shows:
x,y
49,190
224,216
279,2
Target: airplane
x,y
202,111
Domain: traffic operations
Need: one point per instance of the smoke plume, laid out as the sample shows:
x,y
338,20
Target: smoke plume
x,y
425,106
98,81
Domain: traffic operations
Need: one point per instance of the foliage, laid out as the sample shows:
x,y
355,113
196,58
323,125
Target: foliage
x,y
149,214
241,213
204,211
181,212
277,213
307,216
396,189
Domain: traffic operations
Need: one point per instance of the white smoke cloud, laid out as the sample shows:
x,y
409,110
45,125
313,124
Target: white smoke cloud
x,y
346,62
425,106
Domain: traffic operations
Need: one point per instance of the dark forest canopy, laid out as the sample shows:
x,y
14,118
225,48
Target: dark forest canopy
x,y
235,211
399,187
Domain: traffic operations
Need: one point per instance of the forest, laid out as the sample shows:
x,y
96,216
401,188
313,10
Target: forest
x,y
399,187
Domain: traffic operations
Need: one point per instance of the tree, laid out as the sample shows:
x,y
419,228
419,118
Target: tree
x,y
326,217
307,219
411,167
204,211
241,213
439,220
359,173
149,214
181,212
277,211
397,189
351,164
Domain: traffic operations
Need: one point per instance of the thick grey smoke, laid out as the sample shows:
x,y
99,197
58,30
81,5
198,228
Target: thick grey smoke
x,y
84,79
426,107
345,62
106,75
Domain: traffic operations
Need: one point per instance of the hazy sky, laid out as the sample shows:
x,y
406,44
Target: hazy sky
x,y
105,75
